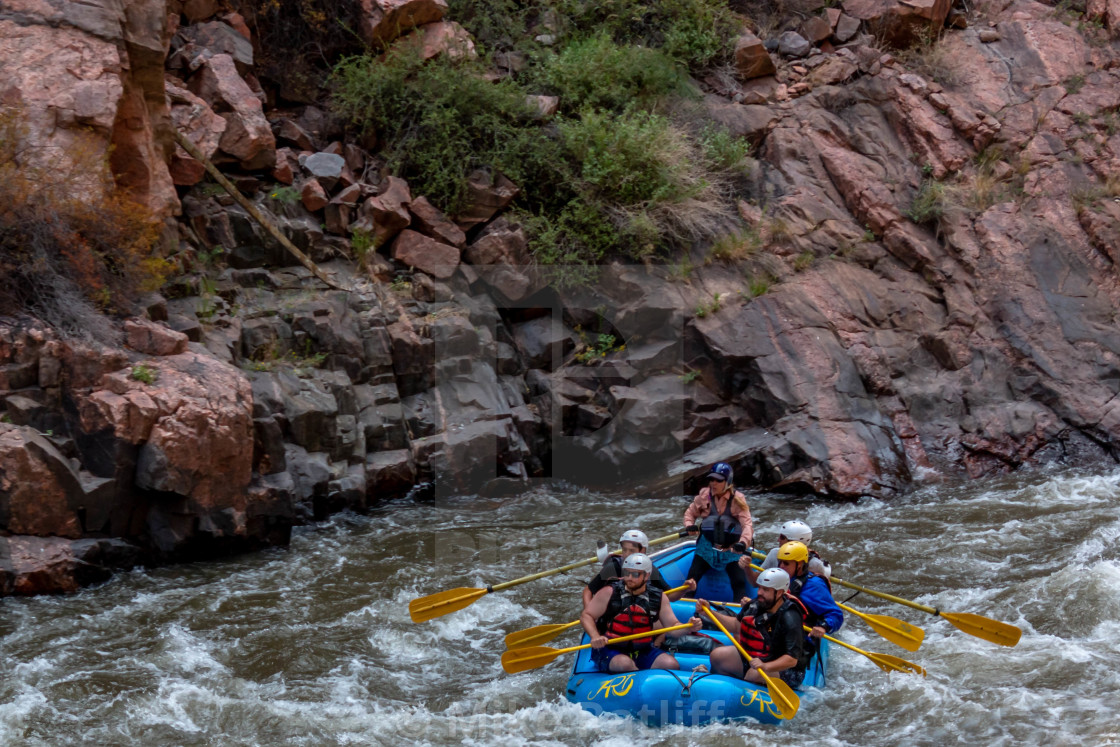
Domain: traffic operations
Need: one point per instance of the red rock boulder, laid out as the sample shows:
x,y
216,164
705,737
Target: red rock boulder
x,y
487,193
428,220
899,23
385,20
385,215
442,38
87,79
151,338
248,136
194,118
501,257
37,484
36,565
751,58
417,250
193,423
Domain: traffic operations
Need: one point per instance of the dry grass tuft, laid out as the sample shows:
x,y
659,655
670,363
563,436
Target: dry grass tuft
x,y
72,246
928,58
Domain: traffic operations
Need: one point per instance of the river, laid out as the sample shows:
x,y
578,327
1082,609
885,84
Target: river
x,y
313,645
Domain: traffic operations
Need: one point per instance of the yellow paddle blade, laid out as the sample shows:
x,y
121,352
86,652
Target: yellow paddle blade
x,y
443,603
890,663
522,659
898,632
537,635
782,695
995,631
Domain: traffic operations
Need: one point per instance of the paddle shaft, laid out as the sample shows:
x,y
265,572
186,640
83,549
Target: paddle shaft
x,y
889,597
570,566
445,602
839,642
632,637
872,592
994,631
883,661
730,637
522,659
543,633
806,627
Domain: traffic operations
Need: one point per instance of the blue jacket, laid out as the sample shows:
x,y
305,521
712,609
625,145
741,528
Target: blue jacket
x,y
816,595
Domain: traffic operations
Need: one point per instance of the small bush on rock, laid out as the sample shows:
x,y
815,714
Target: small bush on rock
x,y
929,203
144,374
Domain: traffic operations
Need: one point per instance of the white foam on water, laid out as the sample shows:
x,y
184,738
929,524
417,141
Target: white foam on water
x,y
183,652
165,652
16,709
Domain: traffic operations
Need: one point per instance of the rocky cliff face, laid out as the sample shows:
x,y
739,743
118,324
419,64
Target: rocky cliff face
x,y
87,79
925,285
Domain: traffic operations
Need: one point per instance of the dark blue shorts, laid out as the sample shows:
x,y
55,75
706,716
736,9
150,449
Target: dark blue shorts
x,y
643,658
792,677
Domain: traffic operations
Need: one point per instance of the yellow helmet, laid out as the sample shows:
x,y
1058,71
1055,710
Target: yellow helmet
x,y
795,551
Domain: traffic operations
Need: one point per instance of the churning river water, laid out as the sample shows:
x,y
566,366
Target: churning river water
x,y
313,645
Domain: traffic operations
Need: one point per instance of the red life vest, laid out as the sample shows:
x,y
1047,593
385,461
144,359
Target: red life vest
x,y
756,628
630,613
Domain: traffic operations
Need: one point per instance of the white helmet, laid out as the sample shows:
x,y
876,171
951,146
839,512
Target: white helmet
x,y
641,562
797,530
772,578
636,536
820,567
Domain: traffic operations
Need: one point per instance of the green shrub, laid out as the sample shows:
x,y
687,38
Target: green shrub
x,y
724,151
581,234
497,24
604,344
699,33
758,285
627,159
709,307
614,179
438,121
735,246
803,261
362,242
696,33
596,73
285,195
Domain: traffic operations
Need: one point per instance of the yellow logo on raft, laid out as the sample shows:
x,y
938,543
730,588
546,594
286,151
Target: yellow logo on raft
x,y
614,686
764,704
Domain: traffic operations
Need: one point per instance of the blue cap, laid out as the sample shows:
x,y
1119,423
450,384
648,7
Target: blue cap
x,y
721,471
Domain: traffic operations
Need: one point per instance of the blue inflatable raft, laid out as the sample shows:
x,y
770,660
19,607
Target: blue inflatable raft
x,y
682,696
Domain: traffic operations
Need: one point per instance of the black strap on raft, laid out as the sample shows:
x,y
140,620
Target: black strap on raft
x,y
684,685
853,596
